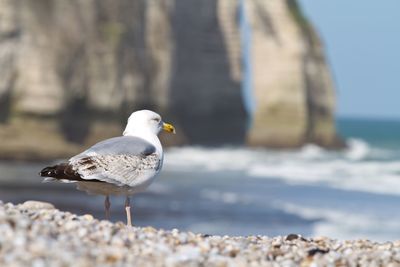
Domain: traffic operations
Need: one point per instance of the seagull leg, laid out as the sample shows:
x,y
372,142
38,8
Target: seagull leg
x,y
128,212
107,205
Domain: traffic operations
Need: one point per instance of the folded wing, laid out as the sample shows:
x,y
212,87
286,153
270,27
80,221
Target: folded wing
x,y
121,161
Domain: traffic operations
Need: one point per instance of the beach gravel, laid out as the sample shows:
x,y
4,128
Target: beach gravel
x,y
37,234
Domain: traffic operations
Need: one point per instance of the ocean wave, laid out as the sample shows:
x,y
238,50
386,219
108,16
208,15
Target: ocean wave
x,y
357,149
343,224
359,167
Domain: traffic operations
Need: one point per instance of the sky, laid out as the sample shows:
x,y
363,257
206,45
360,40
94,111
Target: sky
x,y
362,41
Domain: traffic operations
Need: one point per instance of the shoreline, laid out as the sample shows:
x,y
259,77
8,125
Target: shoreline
x,y
224,202
36,234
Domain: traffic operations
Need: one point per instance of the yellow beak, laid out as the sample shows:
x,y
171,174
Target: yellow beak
x,y
168,128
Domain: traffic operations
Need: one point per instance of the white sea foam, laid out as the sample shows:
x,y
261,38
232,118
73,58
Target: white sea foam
x,y
358,149
346,225
359,167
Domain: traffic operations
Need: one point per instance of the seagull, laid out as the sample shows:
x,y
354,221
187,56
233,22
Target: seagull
x,y
121,165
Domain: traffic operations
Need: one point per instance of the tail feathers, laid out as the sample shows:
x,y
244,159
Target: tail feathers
x,y
48,179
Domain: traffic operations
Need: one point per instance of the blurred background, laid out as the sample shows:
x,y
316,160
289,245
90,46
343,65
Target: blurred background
x,y
286,111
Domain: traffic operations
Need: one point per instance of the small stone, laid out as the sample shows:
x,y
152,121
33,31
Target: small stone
x,y
320,239
36,205
87,217
314,251
292,237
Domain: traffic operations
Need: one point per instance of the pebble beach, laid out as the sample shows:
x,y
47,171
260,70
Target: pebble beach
x,y
37,234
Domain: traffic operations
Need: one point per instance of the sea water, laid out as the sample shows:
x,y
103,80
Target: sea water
x,y
352,193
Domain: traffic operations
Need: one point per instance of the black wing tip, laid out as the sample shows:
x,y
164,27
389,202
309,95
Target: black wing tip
x,y
48,171
62,171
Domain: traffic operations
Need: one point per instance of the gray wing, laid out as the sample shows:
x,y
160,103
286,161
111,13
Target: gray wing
x,y
120,160
121,145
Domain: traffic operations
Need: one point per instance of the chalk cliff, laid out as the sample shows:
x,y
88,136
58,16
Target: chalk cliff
x,y
293,88
72,71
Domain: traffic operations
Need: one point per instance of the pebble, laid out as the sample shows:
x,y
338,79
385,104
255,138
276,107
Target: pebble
x,y
36,234
36,205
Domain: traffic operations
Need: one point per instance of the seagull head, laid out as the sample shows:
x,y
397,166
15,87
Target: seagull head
x,y
146,121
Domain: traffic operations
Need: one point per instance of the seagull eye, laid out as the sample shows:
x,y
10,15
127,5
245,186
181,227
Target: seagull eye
x,y
157,120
